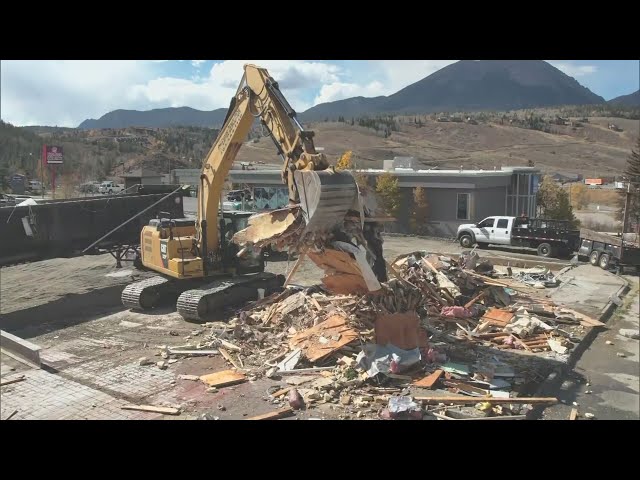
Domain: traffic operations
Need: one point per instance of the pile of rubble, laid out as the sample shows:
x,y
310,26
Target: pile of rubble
x,y
435,325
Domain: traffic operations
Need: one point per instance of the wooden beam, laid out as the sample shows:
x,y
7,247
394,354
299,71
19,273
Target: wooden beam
x,y
473,400
152,409
295,267
273,415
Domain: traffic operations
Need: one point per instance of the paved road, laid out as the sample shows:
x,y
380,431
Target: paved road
x,y
614,381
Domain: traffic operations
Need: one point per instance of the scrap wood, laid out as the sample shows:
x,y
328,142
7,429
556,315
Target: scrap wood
x,y
585,320
193,352
230,345
505,417
152,409
463,387
574,414
332,327
476,298
473,400
223,378
12,380
285,412
428,381
305,371
345,283
230,359
497,316
280,392
301,256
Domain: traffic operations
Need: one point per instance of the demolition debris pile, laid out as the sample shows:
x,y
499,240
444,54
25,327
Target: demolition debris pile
x,y
436,325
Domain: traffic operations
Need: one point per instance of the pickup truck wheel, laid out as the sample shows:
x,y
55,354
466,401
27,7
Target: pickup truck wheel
x,y
594,257
604,261
544,250
466,241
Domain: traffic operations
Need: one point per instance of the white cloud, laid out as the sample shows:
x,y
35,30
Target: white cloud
x,y
401,73
338,91
65,92
56,92
574,70
215,90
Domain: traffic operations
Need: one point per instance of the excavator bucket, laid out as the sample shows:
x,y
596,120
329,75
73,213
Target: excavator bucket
x,y
325,197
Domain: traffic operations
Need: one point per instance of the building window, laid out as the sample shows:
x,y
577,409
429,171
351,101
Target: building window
x,y
463,206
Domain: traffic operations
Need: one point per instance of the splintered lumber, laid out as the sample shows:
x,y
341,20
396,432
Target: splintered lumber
x,y
585,320
472,400
152,409
325,338
280,392
574,414
285,412
295,268
429,380
230,359
223,378
475,299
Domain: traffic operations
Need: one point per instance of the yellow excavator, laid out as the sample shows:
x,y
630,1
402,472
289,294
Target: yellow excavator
x,y
195,261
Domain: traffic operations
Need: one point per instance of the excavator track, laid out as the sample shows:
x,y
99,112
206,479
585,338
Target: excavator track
x,y
145,294
199,304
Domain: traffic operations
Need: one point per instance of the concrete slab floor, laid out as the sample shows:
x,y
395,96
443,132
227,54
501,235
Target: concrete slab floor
x,y
613,392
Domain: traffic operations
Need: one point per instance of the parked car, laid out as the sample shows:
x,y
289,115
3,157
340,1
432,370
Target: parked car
x,y
35,187
110,187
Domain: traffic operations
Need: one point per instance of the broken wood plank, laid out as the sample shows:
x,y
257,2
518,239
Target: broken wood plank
x,y
285,412
303,371
12,380
295,267
152,409
428,381
497,316
223,378
574,414
309,340
475,299
230,345
210,351
280,392
315,303
230,359
506,417
473,400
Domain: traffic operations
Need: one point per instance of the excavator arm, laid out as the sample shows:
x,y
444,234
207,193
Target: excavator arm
x,y
322,192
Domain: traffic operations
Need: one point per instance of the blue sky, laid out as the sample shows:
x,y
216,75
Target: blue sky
x,y
65,92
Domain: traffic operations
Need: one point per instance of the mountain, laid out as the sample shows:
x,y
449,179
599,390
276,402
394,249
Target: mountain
x,y
631,100
158,118
472,85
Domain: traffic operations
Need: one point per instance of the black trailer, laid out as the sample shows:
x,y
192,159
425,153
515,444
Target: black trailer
x,y
63,228
608,252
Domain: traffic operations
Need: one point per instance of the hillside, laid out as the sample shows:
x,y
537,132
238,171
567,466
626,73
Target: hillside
x,y
158,118
631,100
566,140
590,147
472,86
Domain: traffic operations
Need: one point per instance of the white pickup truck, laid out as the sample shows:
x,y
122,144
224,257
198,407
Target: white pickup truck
x,y
109,187
549,237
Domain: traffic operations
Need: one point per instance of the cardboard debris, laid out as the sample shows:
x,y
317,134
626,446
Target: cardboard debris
x,y
334,330
429,381
400,329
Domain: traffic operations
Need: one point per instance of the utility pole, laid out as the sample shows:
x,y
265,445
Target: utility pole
x,y
625,217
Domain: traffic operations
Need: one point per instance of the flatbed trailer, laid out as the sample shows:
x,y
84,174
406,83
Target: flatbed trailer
x,y
608,252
